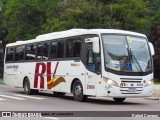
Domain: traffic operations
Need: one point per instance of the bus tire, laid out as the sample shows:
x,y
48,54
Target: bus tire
x,y
78,92
119,100
59,93
27,89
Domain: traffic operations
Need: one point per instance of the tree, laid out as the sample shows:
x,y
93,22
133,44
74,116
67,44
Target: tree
x,y
130,14
118,14
1,61
77,14
155,39
3,34
23,19
154,7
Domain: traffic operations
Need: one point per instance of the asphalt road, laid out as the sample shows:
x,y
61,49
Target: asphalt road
x,y
14,99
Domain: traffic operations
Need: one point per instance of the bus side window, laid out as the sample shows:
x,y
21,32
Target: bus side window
x,y
53,52
16,54
30,52
76,48
10,53
39,51
73,47
19,53
33,52
60,49
45,51
57,49
27,52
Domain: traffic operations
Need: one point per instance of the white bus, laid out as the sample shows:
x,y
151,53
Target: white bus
x,y
85,62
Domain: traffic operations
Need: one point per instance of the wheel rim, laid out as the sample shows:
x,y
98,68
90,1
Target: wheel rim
x,y
78,92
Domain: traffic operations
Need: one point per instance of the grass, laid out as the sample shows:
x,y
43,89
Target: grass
x,y
1,81
156,82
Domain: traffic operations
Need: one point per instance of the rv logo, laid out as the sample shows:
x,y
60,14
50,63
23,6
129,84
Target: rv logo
x,y
40,70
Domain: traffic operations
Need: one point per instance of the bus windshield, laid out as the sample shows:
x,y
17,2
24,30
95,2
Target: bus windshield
x,y
126,53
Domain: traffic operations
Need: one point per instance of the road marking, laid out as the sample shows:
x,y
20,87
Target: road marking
x,y
53,118
2,99
17,98
29,96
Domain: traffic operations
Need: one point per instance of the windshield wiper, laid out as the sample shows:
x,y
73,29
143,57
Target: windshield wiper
x,y
135,59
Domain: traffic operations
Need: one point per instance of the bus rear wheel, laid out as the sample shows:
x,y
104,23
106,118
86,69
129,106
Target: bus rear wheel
x,y
119,100
27,89
78,92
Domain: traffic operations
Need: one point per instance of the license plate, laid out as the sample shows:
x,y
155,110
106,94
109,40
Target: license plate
x,y
132,90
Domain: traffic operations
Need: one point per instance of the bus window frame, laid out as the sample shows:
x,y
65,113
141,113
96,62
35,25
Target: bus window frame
x,y
18,55
56,40
84,55
7,53
35,52
77,59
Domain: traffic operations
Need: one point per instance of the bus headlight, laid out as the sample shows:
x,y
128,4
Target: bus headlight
x,y
149,83
110,82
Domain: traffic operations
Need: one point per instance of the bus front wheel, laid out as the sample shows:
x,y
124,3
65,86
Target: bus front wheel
x,y
78,92
119,100
27,89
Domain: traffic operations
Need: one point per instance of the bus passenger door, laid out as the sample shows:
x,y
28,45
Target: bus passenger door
x,y
93,66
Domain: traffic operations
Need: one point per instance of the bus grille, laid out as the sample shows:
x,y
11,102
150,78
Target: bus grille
x,y
131,85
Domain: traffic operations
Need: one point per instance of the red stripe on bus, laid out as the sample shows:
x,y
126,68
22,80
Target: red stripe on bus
x,y
55,69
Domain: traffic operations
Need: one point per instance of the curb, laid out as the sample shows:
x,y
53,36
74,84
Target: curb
x,y
152,98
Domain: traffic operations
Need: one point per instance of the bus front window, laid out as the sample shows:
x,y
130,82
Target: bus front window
x,y
126,53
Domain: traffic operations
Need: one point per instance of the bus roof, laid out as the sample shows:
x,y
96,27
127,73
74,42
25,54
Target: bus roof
x,y
74,32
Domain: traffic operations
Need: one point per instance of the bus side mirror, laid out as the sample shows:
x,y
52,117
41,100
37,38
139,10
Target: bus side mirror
x,y
151,48
95,46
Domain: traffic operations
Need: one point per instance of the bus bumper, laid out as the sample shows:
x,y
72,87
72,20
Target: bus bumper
x,y
116,92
